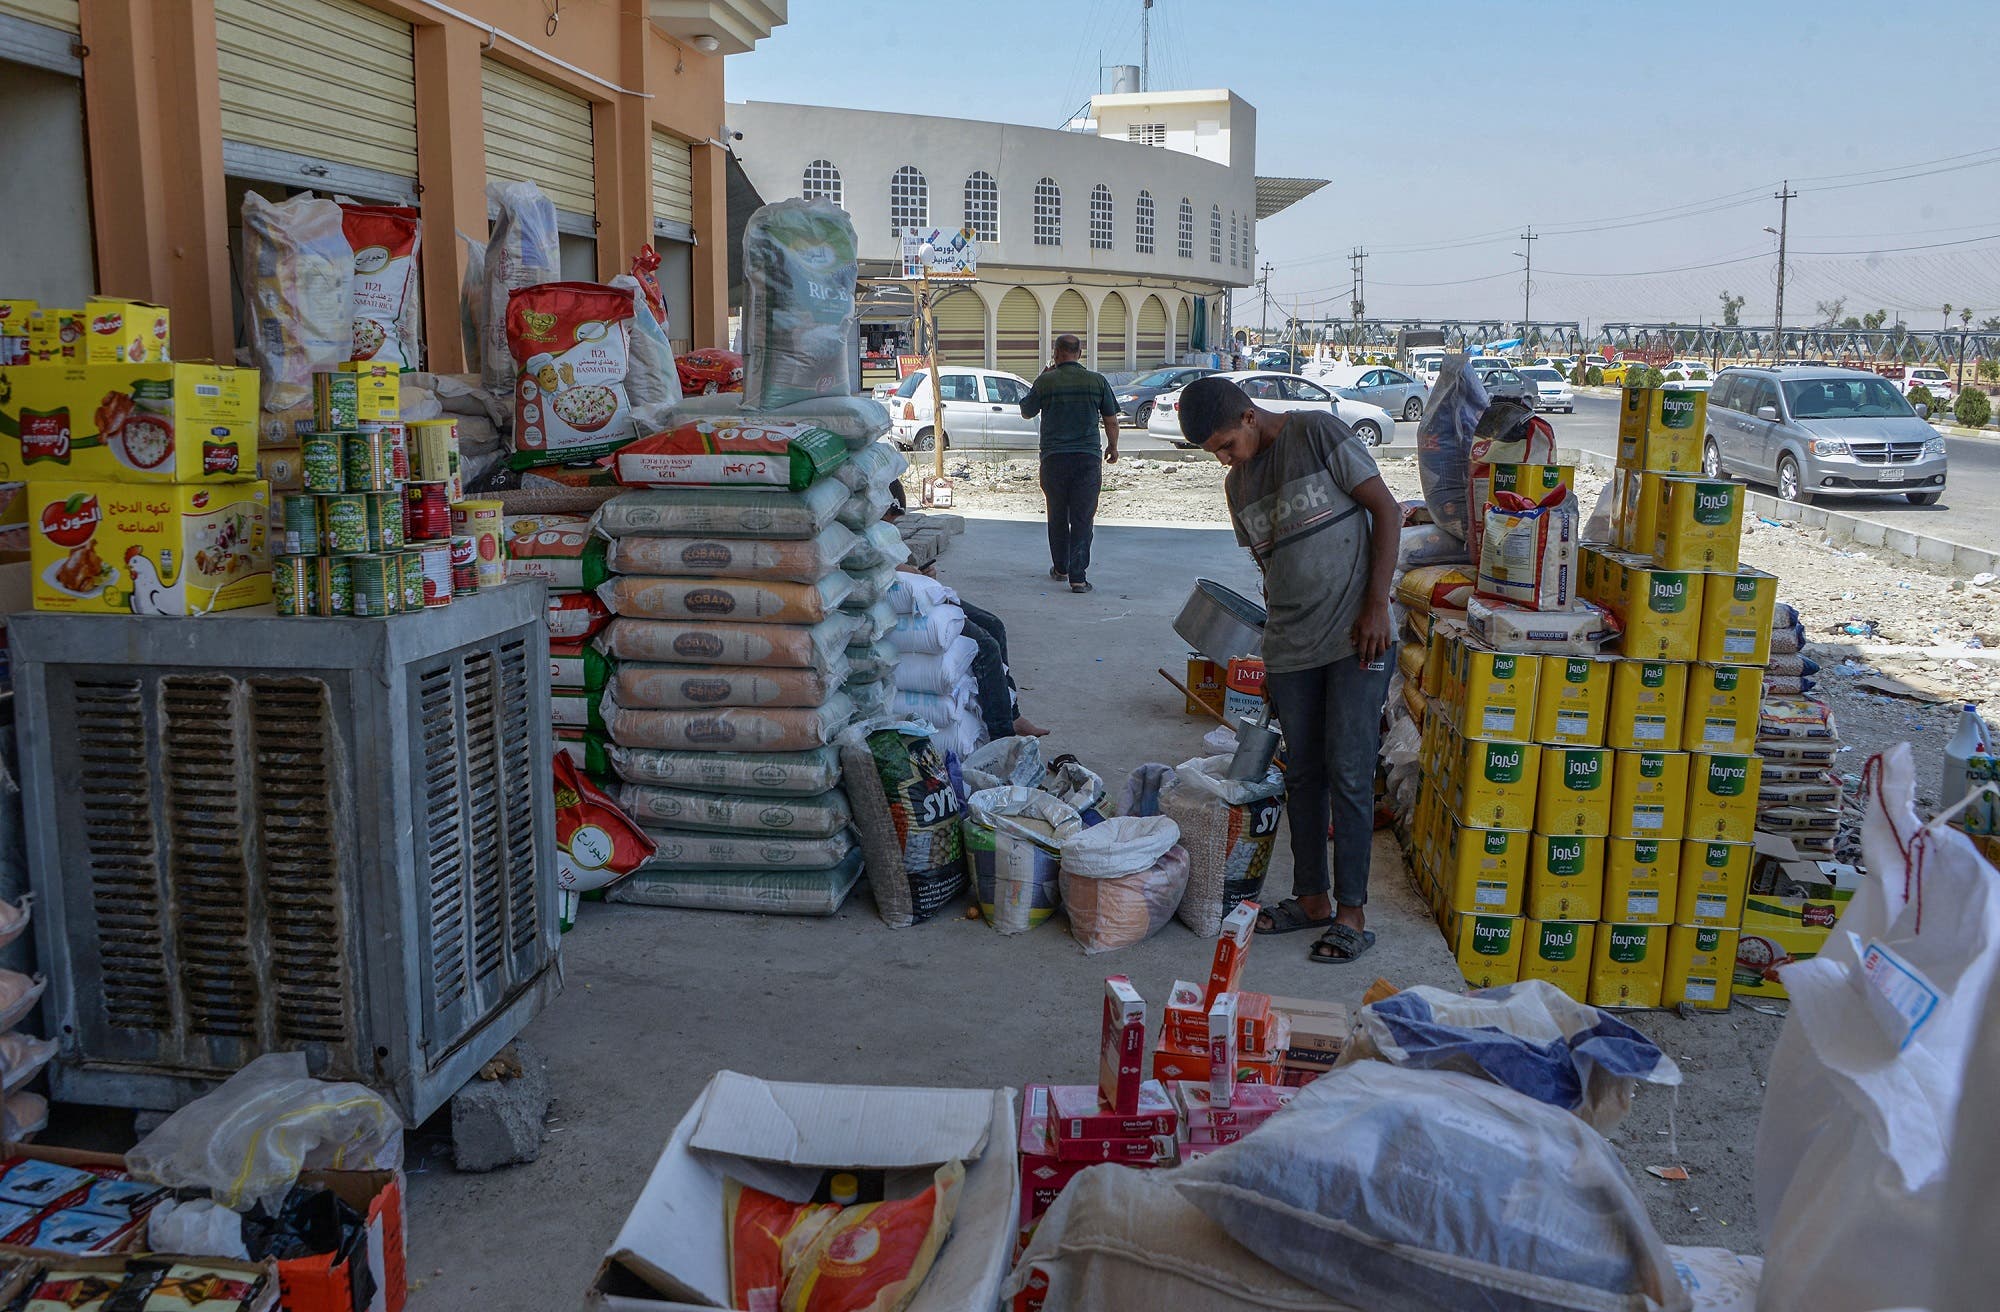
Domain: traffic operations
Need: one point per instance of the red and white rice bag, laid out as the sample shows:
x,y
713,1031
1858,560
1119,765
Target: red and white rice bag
x,y
574,616
1528,555
558,549
596,843
386,240
571,343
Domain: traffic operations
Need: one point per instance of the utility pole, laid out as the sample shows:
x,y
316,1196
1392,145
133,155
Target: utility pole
x,y
1358,259
1784,196
1264,289
1145,45
1527,283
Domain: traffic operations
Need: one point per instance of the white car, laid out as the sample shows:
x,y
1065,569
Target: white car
x,y
1551,389
1932,379
982,408
1687,369
1282,392
1401,394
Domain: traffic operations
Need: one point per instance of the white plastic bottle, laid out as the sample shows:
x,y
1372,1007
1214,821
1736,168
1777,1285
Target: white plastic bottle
x,y
1972,739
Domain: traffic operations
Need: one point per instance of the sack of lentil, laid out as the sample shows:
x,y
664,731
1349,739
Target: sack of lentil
x,y
785,892
690,642
724,512
907,818
643,685
1228,828
803,560
801,328
820,816
758,774
1122,880
747,601
687,849
728,728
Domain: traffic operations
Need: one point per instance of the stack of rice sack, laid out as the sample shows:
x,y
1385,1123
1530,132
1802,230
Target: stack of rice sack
x,y
1797,795
22,1056
562,551
933,675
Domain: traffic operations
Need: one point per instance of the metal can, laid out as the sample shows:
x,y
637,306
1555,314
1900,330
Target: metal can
x,y
366,461
333,586
485,523
437,573
434,454
301,525
398,441
385,521
343,524
320,461
464,565
336,400
294,585
412,565
378,585
430,514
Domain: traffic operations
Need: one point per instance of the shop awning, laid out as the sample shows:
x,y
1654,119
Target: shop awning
x,y
1274,194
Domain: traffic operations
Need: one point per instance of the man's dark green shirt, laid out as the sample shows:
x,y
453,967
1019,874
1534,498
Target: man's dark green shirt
x,y
1071,401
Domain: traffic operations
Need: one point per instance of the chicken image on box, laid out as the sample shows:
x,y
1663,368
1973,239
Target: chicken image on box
x,y
1121,1060
1701,965
1493,783
1559,951
1574,796
1222,1049
1649,795
1080,1113
1714,877
1722,702
1488,948
1722,796
1648,704
1736,613
1641,880
1565,877
1628,965
1232,946
1571,698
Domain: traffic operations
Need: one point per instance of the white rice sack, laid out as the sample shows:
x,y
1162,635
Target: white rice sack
x,y
652,381
1528,555
298,293
858,420
874,660
747,601
521,252
938,708
962,737
645,685
759,774
727,512
691,642
919,594
881,543
938,672
873,624
933,631
819,816
870,586
876,465
801,327
728,729
801,560
681,849
864,506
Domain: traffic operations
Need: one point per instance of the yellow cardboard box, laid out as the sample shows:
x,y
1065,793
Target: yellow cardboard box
x,y
378,391
1649,795
1699,525
1565,877
125,332
1722,702
136,423
1660,609
1559,952
1768,942
1494,692
1714,876
1493,783
1571,698
1722,796
149,549
1488,948
1701,965
1574,795
1648,705
1628,965
1662,428
1641,881
1483,869
1736,617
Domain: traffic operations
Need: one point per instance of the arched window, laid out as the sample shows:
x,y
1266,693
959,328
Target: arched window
x,y
1187,229
1048,213
1233,257
982,206
1142,224
822,182
909,201
1100,218
1215,234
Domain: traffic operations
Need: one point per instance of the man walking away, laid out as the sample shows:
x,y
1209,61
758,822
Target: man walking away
x,y
1072,402
1309,503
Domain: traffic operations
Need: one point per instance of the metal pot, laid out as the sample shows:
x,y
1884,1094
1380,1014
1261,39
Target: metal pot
x,y
1220,623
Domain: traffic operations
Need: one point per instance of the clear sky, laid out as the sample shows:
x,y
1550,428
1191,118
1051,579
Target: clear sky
x,y
1448,127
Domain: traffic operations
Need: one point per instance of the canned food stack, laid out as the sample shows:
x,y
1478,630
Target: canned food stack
x,y
729,675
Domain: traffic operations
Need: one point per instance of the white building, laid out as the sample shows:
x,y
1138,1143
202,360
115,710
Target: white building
x,y
1129,234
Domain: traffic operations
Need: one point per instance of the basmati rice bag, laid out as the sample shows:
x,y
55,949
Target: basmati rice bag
x,y
523,251
732,452
688,642
748,601
728,729
873,660
859,420
596,844
767,1238
680,849
386,240
709,371
800,325
1528,556
804,560
759,774
298,294
571,341
724,512
680,808
874,1257
880,543
646,686
574,616
558,549
1013,845
866,506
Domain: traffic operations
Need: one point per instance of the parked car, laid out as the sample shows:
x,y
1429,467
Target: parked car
x,y
1596,362
1502,380
982,408
1821,433
1276,391
1932,379
1135,399
1275,357
1402,395
1616,372
1551,389
1695,375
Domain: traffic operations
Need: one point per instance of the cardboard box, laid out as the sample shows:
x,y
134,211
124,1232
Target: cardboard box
x,y
1171,1063
1565,877
1572,696
1201,1114
1488,948
1722,703
126,332
1662,428
133,423
1204,685
1574,795
378,391
1660,609
1736,612
1122,1055
1722,796
1222,1049
218,1282
1043,1176
1559,951
1079,1113
1493,783
1699,525
1256,1024
1648,705
1628,965
1714,879
1184,1017
147,549
1319,1028
671,1253
1641,881
1701,965
1764,945
1232,946
1649,795
375,1261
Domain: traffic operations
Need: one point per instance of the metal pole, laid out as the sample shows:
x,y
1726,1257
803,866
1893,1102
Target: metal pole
x,y
1784,199
1264,288
937,392
1527,283
1146,45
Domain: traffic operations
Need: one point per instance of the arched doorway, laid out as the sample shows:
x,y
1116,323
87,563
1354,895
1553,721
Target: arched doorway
x,y
1018,345
1071,314
1182,323
1152,333
1113,355
961,327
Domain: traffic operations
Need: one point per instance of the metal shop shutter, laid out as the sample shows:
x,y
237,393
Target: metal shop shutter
x,y
961,327
49,13
318,93
1152,333
673,187
1070,314
1018,348
1111,352
540,133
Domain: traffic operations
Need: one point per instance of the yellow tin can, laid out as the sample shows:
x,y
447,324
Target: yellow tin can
x,y
1701,965
1660,609
1483,870
1736,617
1574,795
1662,429
1565,877
1698,525
1641,880
1722,702
1488,948
1714,876
1558,951
1494,692
1649,795
1493,783
1722,796
1628,965
1571,697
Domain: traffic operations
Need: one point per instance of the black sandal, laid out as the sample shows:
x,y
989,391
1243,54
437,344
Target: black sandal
x,y
1342,943
1288,917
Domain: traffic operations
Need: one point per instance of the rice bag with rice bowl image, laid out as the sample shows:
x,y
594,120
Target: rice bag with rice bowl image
x,y
558,549
694,642
596,843
821,816
648,686
731,452
574,616
800,324
726,512
758,774
767,1238
570,341
750,601
790,560
728,728
386,240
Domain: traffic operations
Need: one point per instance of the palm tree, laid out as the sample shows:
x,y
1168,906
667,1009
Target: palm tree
x,y
1947,316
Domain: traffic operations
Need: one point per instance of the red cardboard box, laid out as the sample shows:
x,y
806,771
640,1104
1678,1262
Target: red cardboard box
x,y
1171,1064
1155,1150
1233,944
1121,1063
1253,1023
1042,1176
1079,1113
1185,1017
1222,1049
1252,1105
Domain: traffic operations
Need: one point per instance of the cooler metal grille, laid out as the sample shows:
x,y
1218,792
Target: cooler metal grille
x,y
127,897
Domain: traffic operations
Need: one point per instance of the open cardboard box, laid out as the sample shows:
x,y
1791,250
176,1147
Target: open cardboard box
x,y
672,1253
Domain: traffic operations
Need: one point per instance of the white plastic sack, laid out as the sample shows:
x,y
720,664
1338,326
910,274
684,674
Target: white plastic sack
x,y
1013,847
200,1228
1864,1086
18,995
876,465
1529,551
1003,763
1122,880
935,672
919,594
247,1141
524,250
652,382
1970,1267
1077,785
22,1057
932,631
937,708
881,544
801,326
298,294
858,420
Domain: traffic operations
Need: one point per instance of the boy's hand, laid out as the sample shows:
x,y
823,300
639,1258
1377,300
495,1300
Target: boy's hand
x,y
1372,632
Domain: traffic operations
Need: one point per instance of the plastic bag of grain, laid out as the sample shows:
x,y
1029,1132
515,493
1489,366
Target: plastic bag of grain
x,y
691,642
1078,786
388,317
724,512
1228,828
298,294
864,506
870,625
876,465
906,816
653,381
879,544
1528,555
691,849
732,453
744,601
644,685
871,697
802,560
1004,763
800,325
571,343
757,774
870,586
1122,880
931,632
873,660
939,671
727,728
919,594
1013,845
858,419
787,892
820,816
558,549
521,252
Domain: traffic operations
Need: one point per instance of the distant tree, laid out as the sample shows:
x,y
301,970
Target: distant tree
x,y
1829,311
1989,371
1874,319
1947,316
1973,408
1850,322
1965,317
1991,325
1732,306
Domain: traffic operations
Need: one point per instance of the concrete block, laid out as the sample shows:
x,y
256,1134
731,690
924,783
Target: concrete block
x,y
1871,535
1902,542
500,1122
1935,551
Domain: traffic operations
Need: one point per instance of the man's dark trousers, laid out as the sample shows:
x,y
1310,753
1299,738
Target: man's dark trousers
x,y
1071,481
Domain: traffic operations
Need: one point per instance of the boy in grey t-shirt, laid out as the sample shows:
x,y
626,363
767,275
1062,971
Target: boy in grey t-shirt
x,y
1309,503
